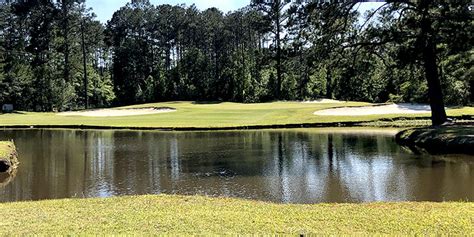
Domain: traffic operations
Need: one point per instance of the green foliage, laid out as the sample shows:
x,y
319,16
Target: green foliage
x,y
265,51
429,46
458,71
42,61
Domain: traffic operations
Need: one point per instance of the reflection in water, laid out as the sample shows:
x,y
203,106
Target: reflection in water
x,y
290,166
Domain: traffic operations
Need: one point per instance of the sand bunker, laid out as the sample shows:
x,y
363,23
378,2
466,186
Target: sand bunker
x,y
377,110
324,101
118,112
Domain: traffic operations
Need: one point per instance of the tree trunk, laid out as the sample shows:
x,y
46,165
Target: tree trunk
x,y
278,66
471,85
278,48
65,10
328,83
438,112
84,64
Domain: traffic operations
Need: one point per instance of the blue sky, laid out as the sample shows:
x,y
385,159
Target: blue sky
x,y
106,8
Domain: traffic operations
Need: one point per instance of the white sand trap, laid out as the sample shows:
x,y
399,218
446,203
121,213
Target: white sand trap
x,y
324,101
118,112
377,110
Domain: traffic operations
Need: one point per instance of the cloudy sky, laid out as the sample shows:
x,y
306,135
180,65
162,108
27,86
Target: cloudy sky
x,y
105,8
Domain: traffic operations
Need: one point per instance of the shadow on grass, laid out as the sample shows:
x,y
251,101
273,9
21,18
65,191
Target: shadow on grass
x,y
14,112
453,139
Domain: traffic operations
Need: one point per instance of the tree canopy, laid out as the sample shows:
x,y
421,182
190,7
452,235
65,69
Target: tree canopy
x,y
55,56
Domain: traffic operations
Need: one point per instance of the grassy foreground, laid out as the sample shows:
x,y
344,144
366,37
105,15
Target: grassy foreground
x,y
211,115
200,215
440,140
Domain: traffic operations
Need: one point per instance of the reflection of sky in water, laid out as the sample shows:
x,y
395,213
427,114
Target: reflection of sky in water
x,y
291,166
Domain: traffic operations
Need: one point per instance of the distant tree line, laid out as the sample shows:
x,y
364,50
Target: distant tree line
x,y
54,55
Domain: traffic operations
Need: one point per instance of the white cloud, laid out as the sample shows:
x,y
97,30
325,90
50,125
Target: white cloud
x,y
223,5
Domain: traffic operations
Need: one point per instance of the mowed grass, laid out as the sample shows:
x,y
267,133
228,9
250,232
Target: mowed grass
x,y
180,215
211,115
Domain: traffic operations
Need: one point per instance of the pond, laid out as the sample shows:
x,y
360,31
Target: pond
x,y
284,166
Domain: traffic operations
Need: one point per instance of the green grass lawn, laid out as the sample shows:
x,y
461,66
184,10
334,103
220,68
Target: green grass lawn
x,y
210,116
179,215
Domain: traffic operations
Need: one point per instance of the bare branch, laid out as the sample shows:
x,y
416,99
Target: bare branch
x,y
372,14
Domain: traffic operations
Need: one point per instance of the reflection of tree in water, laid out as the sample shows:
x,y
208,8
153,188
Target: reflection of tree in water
x,y
333,167
334,188
283,169
279,165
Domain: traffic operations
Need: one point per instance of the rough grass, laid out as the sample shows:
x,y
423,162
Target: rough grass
x,y
408,123
210,115
6,149
440,140
179,215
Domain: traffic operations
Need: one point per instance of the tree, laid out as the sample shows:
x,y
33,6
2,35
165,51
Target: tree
x,y
320,32
420,29
69,21
130,40
54,55
15,73
275,13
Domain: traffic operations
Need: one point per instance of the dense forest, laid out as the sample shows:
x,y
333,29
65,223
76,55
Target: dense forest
x,y
55,56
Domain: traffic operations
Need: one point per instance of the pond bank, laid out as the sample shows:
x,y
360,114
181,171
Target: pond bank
x,y
401,122
455,139
196,215
8,157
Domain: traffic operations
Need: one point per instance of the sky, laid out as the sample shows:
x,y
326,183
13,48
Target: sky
x,y
104,9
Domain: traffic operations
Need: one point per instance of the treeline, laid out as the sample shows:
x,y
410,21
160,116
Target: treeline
x,y
54,55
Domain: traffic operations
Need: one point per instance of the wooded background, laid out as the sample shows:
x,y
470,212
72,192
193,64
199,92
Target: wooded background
x,y
55,56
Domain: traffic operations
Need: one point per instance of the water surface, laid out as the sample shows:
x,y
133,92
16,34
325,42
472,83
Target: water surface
x,y
285,166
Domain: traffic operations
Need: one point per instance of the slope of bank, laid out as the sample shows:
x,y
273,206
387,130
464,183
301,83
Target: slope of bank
x,y
180,215
456,139
194,115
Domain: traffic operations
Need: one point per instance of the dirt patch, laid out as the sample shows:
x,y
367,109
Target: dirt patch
x,y
376,110
119,112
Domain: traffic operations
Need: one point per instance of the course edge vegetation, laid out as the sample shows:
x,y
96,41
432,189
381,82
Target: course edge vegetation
x,y
439,140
